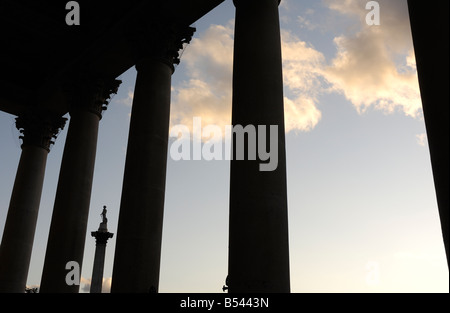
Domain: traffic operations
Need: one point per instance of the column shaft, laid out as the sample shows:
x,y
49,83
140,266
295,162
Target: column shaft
x,y
258,231
431,52
18,235
97,271
38,129
71,208
139,233
73,195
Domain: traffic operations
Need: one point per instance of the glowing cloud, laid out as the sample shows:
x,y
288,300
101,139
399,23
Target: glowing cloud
x,y
207,92
375,67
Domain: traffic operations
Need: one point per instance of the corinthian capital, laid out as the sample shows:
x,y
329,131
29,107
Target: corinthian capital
x,y
89,94
160,41
39,128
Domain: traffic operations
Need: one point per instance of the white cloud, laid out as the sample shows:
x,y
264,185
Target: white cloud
x,y
302,67
301,114
374,67
106,286
86,284
128,100
285,4
366,67
421,139
207,92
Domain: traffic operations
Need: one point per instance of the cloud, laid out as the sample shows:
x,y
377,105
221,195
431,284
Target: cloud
x,y
302,67
128,100
208,90
301,114
375,67
421,139
86,284
106,287
285,4
32,288
305,21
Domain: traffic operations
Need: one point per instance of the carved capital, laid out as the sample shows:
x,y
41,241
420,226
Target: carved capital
x,y
160,41
91,95
246,2
39,128
101,238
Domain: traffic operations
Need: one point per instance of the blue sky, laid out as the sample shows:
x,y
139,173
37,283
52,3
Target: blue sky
x,y
362,210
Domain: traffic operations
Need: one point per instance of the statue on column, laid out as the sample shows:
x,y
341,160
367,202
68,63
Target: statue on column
x,y
103,215
104,220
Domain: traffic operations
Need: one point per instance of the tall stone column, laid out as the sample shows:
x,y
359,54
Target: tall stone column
x,y
71,208
430,28
139,232
18,235
258,229
101,239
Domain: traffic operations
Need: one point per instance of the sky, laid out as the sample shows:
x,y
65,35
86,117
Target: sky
x,y
361,202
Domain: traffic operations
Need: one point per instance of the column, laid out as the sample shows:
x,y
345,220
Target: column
x,y
258,229
38,130
71,207
139,232
430,31
101,239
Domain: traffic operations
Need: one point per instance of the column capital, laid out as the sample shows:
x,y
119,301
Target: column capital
x,y
160,41
101,237
90,94
238,2
39,128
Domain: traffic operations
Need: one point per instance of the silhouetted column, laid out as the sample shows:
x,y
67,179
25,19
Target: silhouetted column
x,y
430,28
101,239
18,235
71,208
139,232
258,238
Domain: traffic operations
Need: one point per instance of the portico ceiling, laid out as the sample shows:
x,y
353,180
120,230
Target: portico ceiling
x,y
39,51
